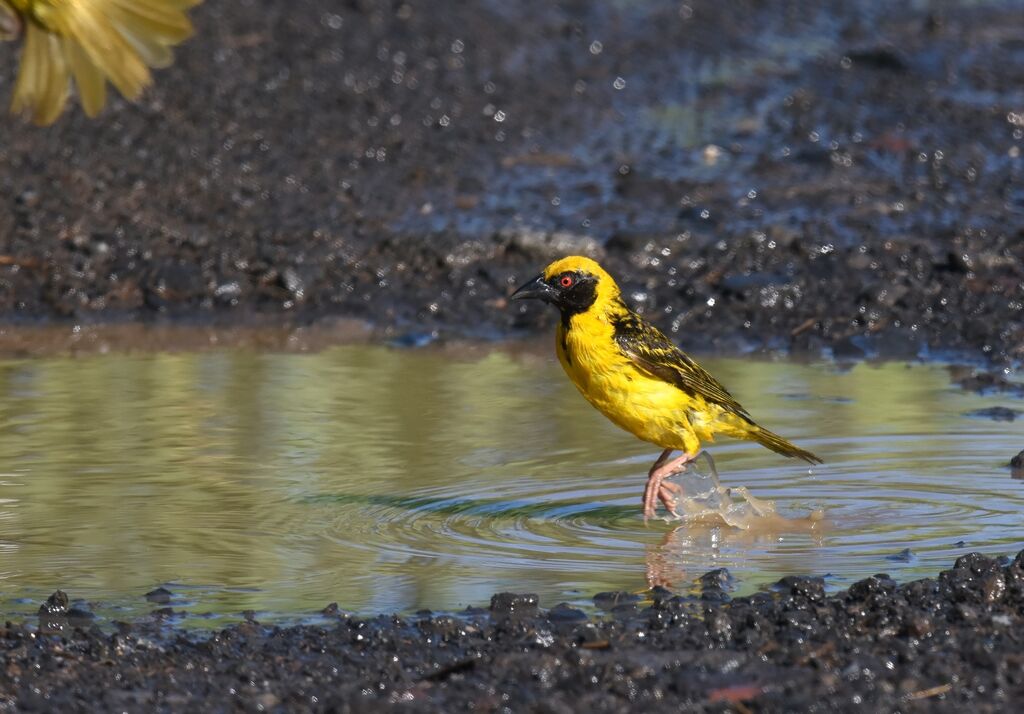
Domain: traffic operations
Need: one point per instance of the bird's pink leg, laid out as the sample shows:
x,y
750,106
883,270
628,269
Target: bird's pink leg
x,y
10,25
657,489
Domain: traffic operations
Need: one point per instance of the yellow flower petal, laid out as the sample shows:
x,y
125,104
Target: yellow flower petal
x,y
95,41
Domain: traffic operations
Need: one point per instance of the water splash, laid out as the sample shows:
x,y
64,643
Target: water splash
x,y
706,501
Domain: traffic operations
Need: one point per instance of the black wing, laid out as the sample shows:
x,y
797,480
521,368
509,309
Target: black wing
x,y
652,352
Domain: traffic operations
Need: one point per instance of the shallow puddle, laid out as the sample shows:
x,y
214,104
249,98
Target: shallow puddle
x,y
393,480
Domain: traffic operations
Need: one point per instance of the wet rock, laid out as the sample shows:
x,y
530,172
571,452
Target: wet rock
x,y
608,600
1017,461
53,614
659,594
741,284
713,585
897,344
294,283
718,578
876,584
55,605
414,340
714,594
563,612
904,556
548,246
514,603
995,413
624,611
174,283
80,616
886,58
993,586
160,595
267,701
976,563
719,626
812,589
985,382
918,625
631,242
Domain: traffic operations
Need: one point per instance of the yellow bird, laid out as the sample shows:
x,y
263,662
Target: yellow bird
x,y
633,374
93,42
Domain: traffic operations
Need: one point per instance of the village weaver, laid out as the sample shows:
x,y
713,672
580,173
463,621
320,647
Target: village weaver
x,y
634,375
93,42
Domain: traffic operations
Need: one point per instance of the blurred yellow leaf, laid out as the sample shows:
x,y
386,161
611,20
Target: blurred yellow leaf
x,y
92,42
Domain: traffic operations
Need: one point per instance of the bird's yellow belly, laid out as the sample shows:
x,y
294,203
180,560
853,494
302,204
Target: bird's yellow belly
x,y
650,409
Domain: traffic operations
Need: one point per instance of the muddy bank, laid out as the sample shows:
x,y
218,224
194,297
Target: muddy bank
x,y
951,641
784,174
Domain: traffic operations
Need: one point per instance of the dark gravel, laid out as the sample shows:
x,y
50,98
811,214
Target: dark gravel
x,y
950,643
798,174
995,413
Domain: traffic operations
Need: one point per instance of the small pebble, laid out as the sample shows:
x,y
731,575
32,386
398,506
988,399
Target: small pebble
x,y
904,556
56,604
995,413
514,602
563,612
161,596
609,600
1017,461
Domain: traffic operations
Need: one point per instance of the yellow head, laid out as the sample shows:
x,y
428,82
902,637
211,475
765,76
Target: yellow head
x,y
573,284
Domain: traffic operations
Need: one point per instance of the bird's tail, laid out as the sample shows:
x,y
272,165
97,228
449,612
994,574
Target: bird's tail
x,y
780,446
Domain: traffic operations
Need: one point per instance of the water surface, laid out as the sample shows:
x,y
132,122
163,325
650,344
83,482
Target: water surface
x,y
393,480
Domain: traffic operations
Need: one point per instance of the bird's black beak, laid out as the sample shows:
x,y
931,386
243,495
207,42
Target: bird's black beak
x,y
537,289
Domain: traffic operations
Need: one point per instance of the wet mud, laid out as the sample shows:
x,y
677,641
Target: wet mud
x,y
938,643
821,177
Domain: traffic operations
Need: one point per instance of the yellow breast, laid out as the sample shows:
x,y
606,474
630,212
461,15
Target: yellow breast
x,y
648,408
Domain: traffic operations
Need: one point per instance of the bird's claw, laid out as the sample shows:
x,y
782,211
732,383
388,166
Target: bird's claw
x,y
666,494
658,489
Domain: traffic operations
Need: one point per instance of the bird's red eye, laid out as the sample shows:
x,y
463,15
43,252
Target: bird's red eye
x,y
566,281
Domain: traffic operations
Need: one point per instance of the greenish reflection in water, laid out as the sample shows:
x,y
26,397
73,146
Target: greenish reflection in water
x,y
395,480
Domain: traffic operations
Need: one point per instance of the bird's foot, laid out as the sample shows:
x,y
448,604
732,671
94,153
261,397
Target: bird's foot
x,y
658,489
667,493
